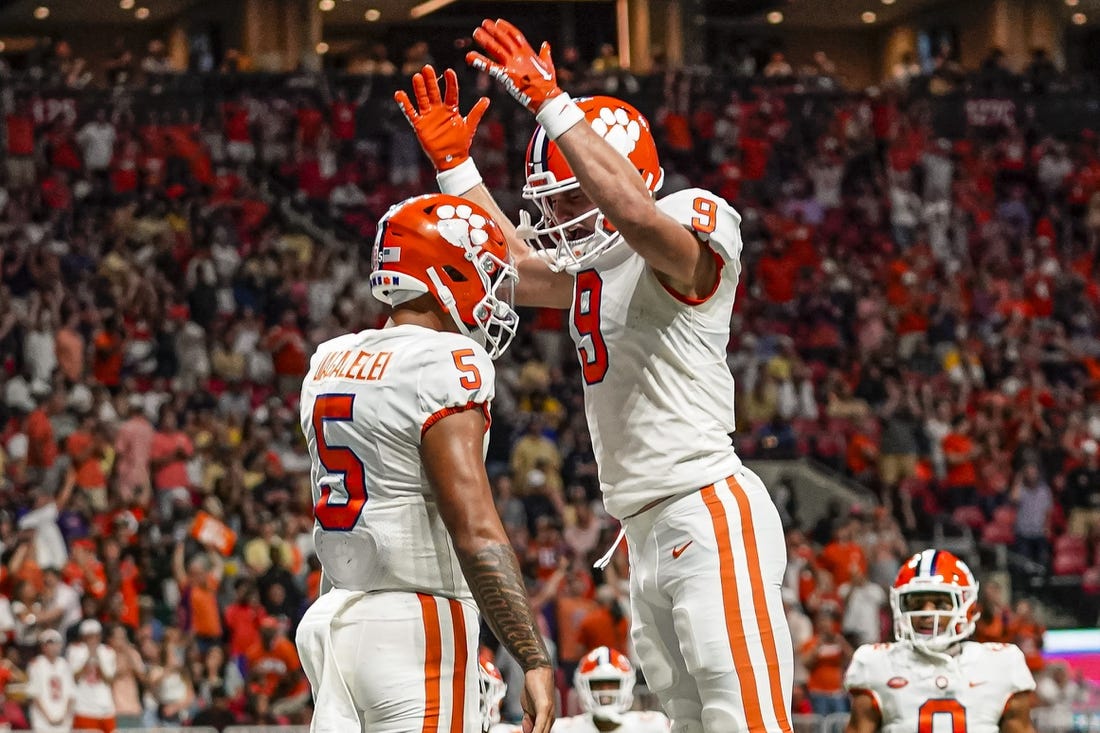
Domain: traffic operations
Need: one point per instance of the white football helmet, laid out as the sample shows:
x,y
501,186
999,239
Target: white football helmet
x,y
612,674
939,579
491,688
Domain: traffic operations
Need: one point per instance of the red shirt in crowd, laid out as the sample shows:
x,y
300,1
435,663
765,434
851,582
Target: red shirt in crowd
x,y
243,621
236,123
778,275
309,125
754,157
20,134
343,120
963,473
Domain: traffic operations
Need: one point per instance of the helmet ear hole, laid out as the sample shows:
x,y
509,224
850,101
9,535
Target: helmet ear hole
x,y
455,274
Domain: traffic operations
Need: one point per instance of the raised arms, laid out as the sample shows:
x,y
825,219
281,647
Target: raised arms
x,y
445,134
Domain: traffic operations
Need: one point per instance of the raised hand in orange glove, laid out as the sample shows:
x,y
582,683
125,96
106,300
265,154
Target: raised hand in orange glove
x,y
527,76
444,133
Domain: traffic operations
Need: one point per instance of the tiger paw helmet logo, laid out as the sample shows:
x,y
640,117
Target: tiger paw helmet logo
x,y
618,129
460,226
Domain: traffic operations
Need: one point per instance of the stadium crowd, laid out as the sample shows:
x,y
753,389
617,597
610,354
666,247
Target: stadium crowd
x,y
917,313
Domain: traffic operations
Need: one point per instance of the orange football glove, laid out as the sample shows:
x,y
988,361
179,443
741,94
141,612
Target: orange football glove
x,y
527,76
443,132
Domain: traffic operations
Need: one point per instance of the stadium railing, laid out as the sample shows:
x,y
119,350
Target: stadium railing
x,y
230,729
1047,720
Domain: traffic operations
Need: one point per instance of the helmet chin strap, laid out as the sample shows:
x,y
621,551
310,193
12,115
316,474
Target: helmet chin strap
x,y
449,303
947,654
608,716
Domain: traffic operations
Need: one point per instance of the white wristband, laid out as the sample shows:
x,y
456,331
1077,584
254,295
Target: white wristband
x,y
558,114
460,179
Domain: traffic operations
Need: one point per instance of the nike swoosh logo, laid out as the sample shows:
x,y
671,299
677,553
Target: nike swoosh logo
x,y
542,70
677,551
976,684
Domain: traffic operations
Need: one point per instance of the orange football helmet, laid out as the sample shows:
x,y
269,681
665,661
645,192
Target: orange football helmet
x,y
491,690
605,665
938,579
549,174
452,249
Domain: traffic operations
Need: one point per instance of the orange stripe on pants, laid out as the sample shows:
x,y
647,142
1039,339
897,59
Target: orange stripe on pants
x,y
433,659
735,627
760,602
458,679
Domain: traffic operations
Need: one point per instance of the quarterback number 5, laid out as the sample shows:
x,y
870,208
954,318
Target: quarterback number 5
x,y
471,375
337,513
586,319
707,218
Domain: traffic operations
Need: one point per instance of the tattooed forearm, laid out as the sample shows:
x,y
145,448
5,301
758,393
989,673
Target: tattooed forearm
x,y
497,585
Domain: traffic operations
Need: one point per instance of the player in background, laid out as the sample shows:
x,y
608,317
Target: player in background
x,y
932,678
396,421
650,285
604,682
492,688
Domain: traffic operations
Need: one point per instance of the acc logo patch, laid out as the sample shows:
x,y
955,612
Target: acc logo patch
x,y
897,683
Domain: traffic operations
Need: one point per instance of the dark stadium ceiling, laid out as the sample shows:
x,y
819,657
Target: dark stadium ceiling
x,y
849,13
19,16
24,15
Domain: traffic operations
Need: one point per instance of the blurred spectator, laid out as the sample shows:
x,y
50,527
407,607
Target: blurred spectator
x,y
134,443
94,665
198,587
825,655
862,622
606,61
156,59
50,686
777,66
843,557
1034,503
905,70
218,715
1040,71
583,528
20,146
130,679
376,62
61,600
275,672
416,57
1026,632
41,522
959,453
170,682
1082,492
996,620
605,625
97,141
1056,689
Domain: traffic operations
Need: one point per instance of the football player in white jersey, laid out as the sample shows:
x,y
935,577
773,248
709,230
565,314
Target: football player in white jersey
x,y
396,421
932,678
604,681
650,285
